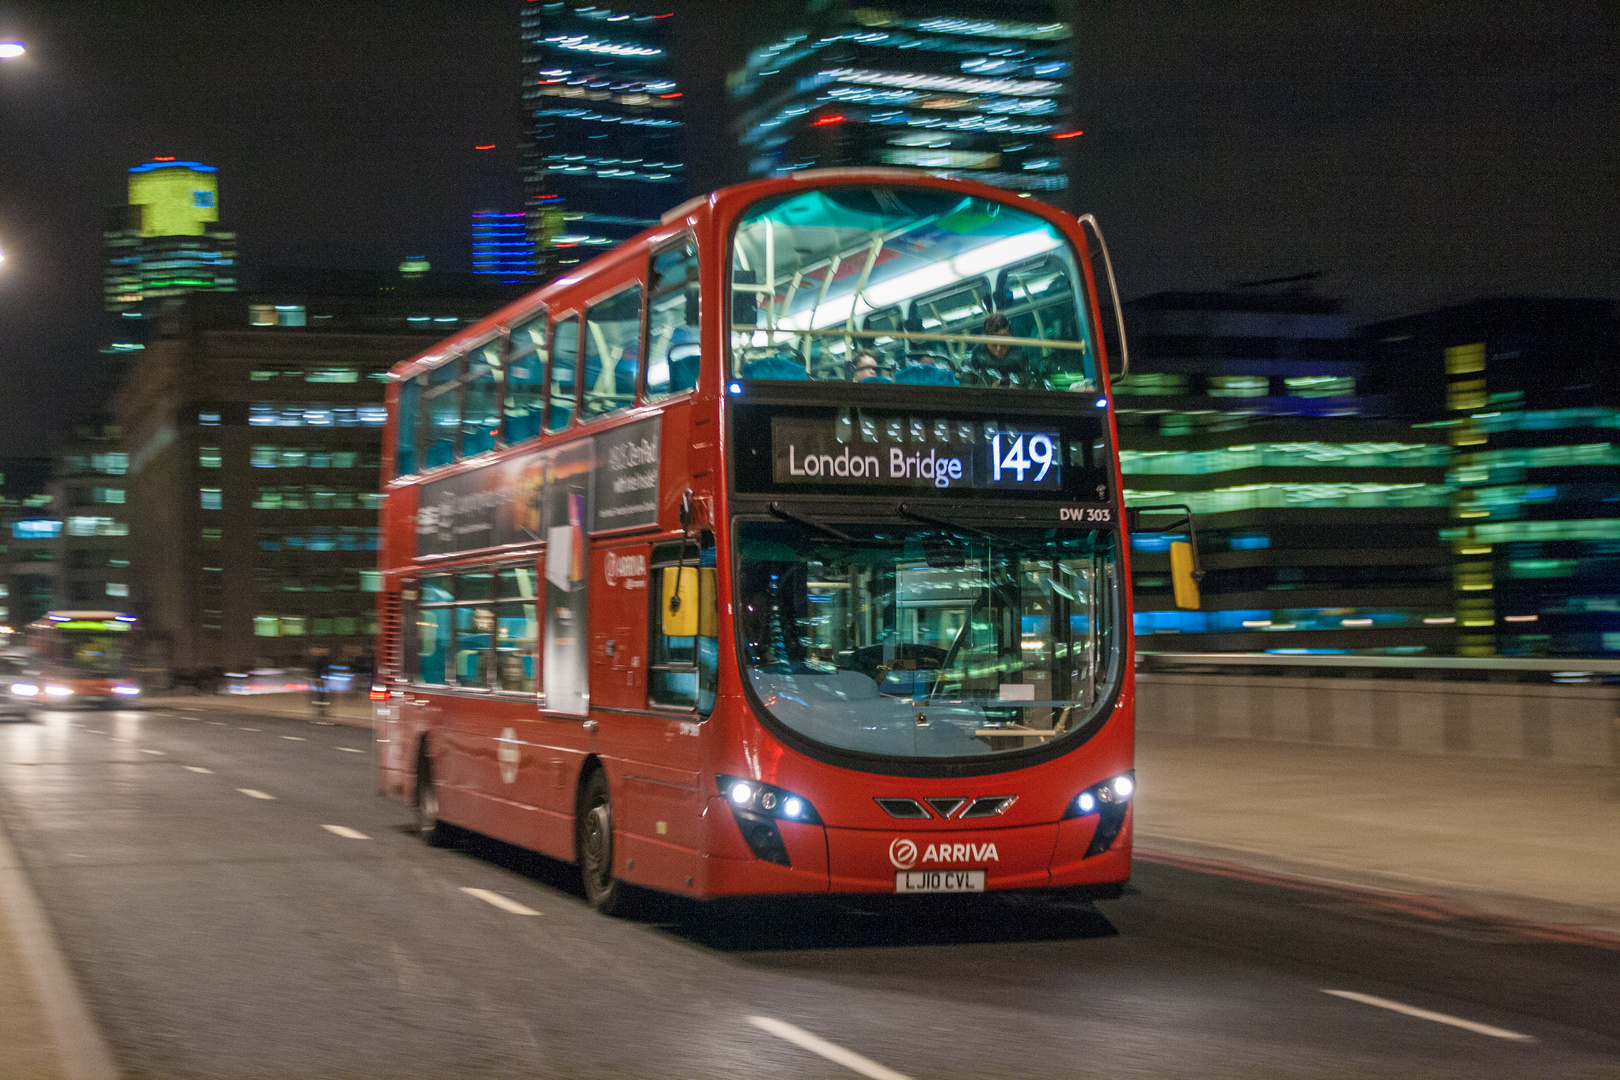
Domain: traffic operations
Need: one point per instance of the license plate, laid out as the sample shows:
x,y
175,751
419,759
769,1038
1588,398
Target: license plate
x,y
922,881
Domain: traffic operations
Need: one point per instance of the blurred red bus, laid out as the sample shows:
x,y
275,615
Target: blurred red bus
x,y
776,550
83,657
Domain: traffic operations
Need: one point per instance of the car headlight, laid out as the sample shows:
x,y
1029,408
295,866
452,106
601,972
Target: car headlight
x,y
127,691
58,691
24,689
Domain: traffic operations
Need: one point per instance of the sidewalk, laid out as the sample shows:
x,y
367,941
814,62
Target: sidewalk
x,y
352,709
46,1032
1524,840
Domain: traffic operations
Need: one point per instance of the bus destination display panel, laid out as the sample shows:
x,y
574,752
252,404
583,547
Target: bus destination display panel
x,y
867,452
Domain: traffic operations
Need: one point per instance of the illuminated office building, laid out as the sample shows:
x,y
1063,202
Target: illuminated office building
x,y
89,495
1527,393
977,90
603,156
253,427
166,241
30,544
500,246
1318,509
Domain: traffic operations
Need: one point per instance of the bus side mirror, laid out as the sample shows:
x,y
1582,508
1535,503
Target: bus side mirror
x,y
1182,577
680,609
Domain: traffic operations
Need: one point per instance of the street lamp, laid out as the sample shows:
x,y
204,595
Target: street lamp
x,y
9,49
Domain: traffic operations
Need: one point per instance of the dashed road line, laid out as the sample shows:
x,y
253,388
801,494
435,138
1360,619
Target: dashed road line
x,y
159,753
1438,1017
217,723
255,793
247,729
505,903
849,1059
198,768
346,832
95,731
351,750
295,738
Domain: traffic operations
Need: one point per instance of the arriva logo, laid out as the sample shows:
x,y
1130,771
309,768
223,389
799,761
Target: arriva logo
x,y
903,853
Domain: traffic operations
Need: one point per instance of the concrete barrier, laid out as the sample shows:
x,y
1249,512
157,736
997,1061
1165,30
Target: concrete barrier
x,y
1578,725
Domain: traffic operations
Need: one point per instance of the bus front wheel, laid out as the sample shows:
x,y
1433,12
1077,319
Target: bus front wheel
x,y
595,844
428,825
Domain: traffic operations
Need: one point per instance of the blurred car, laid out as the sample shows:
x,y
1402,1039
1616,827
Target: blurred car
x,y
19,687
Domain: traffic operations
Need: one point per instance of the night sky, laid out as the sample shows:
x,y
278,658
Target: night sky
x,y
1414,153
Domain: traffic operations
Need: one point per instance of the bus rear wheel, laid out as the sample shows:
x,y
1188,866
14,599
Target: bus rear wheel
x,y
595,843
428,825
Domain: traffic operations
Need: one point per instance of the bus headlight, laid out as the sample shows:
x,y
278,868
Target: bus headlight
x,y
58,691
126,691
751,796
1108,800
24,689
757,808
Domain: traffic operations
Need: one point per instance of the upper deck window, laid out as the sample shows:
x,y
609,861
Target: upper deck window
x,y
481,406
612,352
564,359
441,400
526,376
672,322
909,285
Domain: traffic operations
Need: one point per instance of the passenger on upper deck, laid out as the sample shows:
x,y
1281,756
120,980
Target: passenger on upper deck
x,y
998,365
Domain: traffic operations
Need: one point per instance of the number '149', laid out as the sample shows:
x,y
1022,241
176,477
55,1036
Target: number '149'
x,y
1019,455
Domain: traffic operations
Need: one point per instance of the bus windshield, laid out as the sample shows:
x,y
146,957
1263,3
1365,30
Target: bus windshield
x,y
93,653
910,285
917,642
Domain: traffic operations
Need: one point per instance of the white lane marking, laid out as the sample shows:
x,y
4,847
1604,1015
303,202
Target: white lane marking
x,y
503,902
216,723
849,1059
199,768
255,793
1439,1018
346,832
295,738
159,753
351,750
95,731
248,729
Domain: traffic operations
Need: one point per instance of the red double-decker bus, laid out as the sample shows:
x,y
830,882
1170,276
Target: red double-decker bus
x,y
777,550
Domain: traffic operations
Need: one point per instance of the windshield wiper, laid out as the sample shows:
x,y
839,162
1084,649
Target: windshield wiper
x,y
905,511
820,526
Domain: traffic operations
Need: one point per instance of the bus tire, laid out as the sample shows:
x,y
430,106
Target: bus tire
x,y
594,843
426,803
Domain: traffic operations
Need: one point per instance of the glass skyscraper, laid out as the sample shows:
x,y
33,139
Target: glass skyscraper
x,y
603,116
969,89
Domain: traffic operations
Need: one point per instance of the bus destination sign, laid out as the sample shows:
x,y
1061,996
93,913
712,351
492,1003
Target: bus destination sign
x,y
907,452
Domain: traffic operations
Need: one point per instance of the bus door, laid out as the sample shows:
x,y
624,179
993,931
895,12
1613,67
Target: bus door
x,y
652,737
